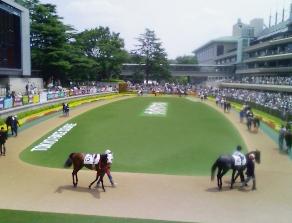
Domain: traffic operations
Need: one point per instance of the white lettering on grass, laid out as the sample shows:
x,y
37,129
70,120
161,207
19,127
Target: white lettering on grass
x,y
156,108
52,139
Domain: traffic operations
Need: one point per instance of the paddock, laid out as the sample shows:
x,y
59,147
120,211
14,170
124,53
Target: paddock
x,y
174,195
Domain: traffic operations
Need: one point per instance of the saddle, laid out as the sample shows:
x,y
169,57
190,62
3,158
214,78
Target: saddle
x,y
91,159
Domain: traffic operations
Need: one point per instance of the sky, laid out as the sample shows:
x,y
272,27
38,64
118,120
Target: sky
x,y
181,25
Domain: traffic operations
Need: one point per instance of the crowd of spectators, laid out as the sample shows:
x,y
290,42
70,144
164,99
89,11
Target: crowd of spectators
x,y
267,80
34,95
272,100
166,88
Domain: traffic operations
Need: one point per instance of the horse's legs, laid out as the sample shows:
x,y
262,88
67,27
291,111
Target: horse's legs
x,y
232,179
97,175
219,179
223,172
75,179
101,180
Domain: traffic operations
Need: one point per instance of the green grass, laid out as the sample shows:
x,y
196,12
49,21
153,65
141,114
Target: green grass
x,y
11,216
185,142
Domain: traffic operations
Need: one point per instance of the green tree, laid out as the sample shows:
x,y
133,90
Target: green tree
x,y
152,57
50,49
106,48
186,59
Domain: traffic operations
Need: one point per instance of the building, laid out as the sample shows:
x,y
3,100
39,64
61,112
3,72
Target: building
x,y
253,49
229,50
14,40
271,52
15,54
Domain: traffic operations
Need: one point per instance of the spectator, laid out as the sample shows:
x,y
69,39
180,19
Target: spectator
x,y
3,138
282,133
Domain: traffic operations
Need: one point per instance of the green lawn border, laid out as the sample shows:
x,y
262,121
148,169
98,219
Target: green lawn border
x,y
17,216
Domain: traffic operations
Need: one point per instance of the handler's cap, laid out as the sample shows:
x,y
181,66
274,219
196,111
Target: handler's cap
x,y
108,151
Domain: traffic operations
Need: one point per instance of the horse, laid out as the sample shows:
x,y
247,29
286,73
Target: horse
x,y
77,159
226,162
253,121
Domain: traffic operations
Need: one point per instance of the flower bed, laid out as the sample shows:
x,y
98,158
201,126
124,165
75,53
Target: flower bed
x,y
29,116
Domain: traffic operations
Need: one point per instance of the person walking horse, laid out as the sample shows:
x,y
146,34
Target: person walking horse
x,y
14,125
250,167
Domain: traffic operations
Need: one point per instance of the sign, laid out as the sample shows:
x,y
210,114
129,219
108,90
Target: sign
x,y
8,103
43,97
52,139
36,99
1,103
25,100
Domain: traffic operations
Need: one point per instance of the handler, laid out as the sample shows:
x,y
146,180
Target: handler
x,y
250,166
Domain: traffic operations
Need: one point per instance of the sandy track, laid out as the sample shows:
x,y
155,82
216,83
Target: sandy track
x,y
179,198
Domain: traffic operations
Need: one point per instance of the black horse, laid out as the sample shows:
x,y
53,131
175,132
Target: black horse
x,y
225,163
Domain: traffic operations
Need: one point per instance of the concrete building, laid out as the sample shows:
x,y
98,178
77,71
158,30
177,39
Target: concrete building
x,y
15,59
15,54
271,52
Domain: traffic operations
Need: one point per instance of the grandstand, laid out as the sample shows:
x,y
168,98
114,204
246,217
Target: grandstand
x,y
262,60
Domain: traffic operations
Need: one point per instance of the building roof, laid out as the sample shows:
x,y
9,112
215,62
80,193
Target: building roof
x,y
274,30
224,39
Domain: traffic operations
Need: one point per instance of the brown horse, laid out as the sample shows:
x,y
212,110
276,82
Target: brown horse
x,y
77,159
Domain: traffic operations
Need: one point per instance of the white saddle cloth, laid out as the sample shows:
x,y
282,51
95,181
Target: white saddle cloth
x,y
238,161
91,158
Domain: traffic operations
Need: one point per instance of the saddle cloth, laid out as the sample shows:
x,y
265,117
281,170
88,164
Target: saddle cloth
x,y
238,161
91,158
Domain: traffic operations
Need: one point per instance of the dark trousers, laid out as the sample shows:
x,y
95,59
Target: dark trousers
x,y
14,130
2,148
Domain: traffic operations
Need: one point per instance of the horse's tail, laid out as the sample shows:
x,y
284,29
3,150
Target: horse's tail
x,y
69,161
214,167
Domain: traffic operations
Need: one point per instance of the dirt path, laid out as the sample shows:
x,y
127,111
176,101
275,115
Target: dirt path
x,y
178,198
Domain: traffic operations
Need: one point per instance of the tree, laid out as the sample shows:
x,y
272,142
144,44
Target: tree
x,y
50,49
105,48
186,60
152,57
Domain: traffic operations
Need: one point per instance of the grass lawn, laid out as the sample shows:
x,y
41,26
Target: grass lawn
x,y
11,216
186,141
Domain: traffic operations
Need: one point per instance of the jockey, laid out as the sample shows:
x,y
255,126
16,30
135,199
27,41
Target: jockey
x,y
238,153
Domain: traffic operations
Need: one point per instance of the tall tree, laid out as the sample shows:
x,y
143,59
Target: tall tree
x,y
186,59
152,56
49,40
106,48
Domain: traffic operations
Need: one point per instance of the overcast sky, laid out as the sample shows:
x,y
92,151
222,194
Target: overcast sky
x,y
182,25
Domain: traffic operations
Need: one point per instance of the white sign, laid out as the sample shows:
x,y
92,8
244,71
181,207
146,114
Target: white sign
x,y
52,139
156,108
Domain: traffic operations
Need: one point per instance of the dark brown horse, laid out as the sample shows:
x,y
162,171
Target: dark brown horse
x,y
77,159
